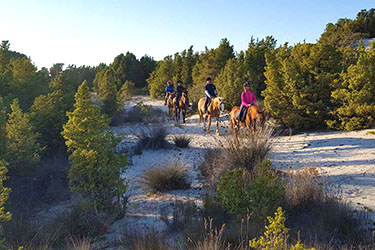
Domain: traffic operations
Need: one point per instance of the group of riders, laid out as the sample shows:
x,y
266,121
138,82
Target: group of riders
x,y
247,96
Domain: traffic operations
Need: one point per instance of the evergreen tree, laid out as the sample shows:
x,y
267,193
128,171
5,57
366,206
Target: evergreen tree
x,y
299,81
210,63
355,94
4,193
255,62
205,67
3,119
23,148
127,90
48,116
96,169
158,79
230,81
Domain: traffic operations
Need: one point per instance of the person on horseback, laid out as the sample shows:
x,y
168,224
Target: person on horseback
x,y
247,99
210,91
179,89
168,90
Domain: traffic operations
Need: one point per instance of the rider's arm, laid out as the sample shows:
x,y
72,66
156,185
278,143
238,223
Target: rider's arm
x,y
243,100
252,98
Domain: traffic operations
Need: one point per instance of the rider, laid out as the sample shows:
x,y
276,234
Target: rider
x,y
247,98
179,90
210,91
168,90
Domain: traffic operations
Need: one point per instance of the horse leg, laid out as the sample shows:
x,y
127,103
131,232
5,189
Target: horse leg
x,y
217,126
183,116
204,122
209,124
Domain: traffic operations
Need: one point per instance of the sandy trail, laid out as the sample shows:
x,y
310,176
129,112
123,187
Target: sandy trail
x,y
348,158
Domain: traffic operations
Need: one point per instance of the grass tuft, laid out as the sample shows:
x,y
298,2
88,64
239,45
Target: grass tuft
x,y
166,178
182,141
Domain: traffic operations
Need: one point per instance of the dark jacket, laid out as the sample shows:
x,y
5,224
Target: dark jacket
x,y
179,90
210,90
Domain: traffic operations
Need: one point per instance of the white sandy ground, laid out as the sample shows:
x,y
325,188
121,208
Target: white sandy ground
x,y
347,158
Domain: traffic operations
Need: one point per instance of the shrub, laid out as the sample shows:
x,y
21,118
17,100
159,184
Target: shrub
x,y
154,138
148,241
182,141
213,239
82,222
245,153
304,188
170,177
144,113
276,235
257,192
317,212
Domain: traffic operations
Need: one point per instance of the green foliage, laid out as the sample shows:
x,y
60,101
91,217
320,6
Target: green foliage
x,y
255,62
96,169
48,116
210,63
276,235
299,81
23,148
4,193
230,80
127,90
355,94
347,31
258,192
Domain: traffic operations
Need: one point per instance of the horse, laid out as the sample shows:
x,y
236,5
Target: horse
x,y
254,117
182,106
170,103
214,108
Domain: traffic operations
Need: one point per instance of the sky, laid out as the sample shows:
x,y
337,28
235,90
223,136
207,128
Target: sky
x,y
88,32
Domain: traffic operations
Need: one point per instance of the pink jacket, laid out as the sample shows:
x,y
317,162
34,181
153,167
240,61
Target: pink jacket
x,y
247,98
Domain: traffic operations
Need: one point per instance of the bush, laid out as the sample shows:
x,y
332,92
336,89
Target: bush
x,y
276,235
148,241
153,138
318,213
305,187
170,177
182,141
82,222
144,113
245,153
242,192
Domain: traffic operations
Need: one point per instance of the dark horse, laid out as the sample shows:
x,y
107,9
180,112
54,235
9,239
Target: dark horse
x,y
182,106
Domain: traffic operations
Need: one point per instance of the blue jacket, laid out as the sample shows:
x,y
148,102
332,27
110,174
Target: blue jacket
x,y
169,89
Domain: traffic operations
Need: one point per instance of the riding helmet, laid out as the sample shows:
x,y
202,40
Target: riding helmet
x,y
246,84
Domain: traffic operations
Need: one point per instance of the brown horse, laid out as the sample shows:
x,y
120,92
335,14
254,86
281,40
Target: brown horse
x,y
183,106
213,110
170,103
254,117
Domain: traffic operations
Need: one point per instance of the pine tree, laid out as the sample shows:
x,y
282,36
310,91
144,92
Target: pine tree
x,y
255,62
230,81
48,116
299,81
158,79
23,148
127,90
4,193
96,169
355,94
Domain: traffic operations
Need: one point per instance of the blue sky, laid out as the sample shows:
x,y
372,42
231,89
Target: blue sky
x,y
87,32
